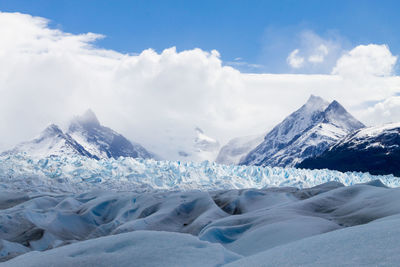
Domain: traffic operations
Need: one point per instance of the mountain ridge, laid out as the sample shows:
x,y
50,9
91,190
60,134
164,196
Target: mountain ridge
x,y
373,149
307,132
85,137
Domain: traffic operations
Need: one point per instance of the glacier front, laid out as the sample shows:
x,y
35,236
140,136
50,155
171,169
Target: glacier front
x,y
80,174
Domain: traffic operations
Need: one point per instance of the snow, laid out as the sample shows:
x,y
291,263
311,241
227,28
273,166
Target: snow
x,y
370,137
326,225
10,249
372,244
375,130
305,133
86,137
139,248
80,174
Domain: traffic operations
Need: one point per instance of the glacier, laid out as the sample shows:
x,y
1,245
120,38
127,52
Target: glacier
x,y
75,173
242,227
74,210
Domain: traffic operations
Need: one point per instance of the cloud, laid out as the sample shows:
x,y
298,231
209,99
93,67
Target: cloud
x,y
294,60
385,111
319,55
154,98
364,60
316,54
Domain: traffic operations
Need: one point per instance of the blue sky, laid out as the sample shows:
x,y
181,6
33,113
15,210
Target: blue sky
x,y
255,32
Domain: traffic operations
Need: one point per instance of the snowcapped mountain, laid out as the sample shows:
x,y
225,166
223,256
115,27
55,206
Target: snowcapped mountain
x,y
52,141
85,137
373,149
307,132
199,148
103,141
236,149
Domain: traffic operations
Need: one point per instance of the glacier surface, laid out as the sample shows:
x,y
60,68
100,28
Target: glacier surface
x,y
63,211
80,174
329,224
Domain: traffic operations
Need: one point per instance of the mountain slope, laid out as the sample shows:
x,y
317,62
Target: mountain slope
x,y
85,137
305,133
374,149
198,147
103,141
52,141
237,148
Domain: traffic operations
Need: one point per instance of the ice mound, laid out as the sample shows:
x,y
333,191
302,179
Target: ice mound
x,y
80,174
373,244
141,248
245,222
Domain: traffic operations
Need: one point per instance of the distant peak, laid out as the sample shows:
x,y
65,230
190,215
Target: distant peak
x,y
198,130
52,129
88,118
316,103
334,105
315,99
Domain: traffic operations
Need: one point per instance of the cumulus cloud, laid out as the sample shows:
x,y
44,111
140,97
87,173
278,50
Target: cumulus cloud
x,y
155,98
294,60
318,54
385,111
364,60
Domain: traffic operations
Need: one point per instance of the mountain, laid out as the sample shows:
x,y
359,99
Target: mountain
x,y
234,151
52,141
375,150
85,137
305,133
103,141
200,147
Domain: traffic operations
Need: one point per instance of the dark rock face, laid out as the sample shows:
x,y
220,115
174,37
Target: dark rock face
x,y
375,150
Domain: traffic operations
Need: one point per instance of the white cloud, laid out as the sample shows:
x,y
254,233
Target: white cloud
x,y
157,99
372,59
319,55
385,111
294,60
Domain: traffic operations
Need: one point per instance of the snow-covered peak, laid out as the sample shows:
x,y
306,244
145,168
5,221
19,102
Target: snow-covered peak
x,y
51,142
85,137
199,146
86,120
305,133
203,142
336,114
103,141
51,130
316,102
299,120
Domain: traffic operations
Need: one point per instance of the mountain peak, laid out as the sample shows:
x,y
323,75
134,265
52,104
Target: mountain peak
x,y
315,100
314,104
306,132
87,119
334,105
52,130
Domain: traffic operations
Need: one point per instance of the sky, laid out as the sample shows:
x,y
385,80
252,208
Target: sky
x,y
155,70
